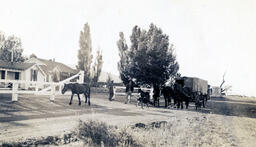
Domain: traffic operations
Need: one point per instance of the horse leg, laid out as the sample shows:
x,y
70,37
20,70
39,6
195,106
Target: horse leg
x,y
79,99
85,98
175,101
187,103
154,101
170,101
158,100
178,103
138,101
166,101
89,103
71,98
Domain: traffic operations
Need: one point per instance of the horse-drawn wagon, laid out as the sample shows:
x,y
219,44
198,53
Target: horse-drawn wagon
x,y
195,88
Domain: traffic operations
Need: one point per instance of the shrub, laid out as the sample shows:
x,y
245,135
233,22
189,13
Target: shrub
x,y
96,133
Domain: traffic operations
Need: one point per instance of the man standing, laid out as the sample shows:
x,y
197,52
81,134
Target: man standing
x,y
111,90
129,90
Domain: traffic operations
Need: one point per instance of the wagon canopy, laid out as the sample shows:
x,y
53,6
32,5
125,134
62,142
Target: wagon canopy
x,y
195,84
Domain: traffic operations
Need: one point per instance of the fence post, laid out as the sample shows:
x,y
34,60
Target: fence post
x,y
151,93
52,96
14,91
60,88
36,87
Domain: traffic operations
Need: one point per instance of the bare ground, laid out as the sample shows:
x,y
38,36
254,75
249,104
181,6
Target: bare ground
x,y
229,121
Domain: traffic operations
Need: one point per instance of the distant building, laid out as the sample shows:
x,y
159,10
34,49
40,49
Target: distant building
x,y
54,71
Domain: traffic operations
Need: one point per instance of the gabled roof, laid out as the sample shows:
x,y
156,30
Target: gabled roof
x,y
15,65
50,65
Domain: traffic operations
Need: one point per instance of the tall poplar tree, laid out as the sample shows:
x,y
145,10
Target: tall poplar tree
x,y
85,52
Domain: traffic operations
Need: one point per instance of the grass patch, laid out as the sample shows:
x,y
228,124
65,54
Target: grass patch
x,y
95,133
50,140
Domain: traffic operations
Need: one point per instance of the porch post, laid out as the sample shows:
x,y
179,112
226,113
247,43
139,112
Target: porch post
x,y
14,92
151,93
5,76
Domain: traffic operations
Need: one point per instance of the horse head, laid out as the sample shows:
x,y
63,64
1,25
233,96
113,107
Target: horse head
x,y
65,88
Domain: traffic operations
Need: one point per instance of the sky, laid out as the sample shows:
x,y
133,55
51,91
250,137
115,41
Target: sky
x,y
210,37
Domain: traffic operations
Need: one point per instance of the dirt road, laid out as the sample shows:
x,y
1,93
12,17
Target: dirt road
x,y
229,121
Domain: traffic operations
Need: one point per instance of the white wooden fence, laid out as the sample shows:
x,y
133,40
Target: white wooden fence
x,y
50,87
150,90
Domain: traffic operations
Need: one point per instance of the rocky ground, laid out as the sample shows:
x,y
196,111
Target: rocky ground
x,y
229,121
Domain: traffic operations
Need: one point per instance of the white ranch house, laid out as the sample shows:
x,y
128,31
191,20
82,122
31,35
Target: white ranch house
x,y
34,69
21,71
52,68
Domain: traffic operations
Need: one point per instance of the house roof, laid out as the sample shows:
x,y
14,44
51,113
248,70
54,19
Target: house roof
x,y
50,65
15,65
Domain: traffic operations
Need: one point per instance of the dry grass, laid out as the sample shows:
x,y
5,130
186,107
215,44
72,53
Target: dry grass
x,y
95,133
191,131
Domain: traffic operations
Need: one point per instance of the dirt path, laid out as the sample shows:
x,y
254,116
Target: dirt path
x,y
227,121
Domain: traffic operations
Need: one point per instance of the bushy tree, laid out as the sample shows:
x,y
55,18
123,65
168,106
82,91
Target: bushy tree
x,y
8,45
85,52
33,56
150,59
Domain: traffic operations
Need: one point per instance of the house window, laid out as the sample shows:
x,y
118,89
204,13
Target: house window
x,y
17,75
3,74
33,75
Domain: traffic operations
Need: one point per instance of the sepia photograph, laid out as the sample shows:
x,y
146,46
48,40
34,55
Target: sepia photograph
x,y
128,73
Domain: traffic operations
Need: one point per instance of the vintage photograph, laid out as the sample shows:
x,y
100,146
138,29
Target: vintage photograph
x,y
128,73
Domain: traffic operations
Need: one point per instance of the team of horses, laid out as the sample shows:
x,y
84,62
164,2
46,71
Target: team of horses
x,y
178,94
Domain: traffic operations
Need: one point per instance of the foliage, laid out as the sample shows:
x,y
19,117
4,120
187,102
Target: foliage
x,y
8,45
32,56
97,66
150,60
96,133
109,79
85,52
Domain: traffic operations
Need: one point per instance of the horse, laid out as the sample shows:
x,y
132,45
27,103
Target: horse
x,y
167,92
78,89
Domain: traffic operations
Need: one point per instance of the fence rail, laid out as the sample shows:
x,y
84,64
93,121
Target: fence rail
x,y
50,87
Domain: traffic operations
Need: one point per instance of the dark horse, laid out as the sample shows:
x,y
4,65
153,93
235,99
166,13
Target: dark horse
x,y
180,95
156,95
168,93
78,89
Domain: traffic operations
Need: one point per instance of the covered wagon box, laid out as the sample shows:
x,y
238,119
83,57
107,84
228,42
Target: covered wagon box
x,y
196,84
